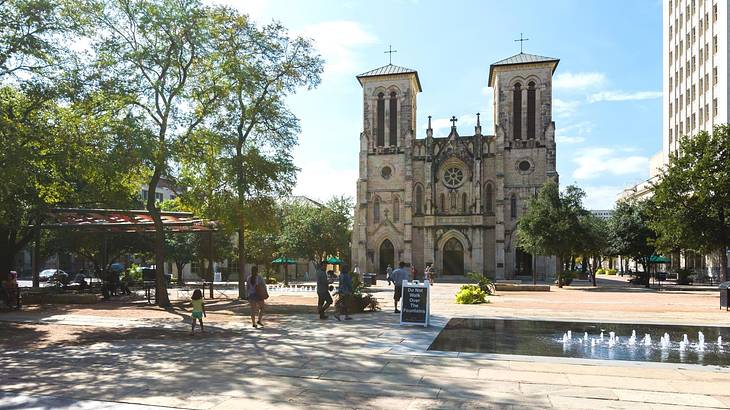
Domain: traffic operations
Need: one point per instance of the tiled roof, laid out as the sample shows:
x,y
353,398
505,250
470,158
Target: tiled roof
x,y
522,58
390,69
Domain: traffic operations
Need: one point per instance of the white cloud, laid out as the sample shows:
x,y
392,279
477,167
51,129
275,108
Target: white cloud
x,y
564,139
320,181
595,162
487,91
565,108
623,96
579,80
601,197
581,128
336,41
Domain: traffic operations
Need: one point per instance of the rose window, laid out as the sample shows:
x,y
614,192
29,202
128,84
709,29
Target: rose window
x,y
453,177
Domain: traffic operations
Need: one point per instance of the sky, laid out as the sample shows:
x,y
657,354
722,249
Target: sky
x,y
606,89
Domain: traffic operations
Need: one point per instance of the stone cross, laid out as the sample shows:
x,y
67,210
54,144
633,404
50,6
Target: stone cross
x,y
522,40
453,121
390,54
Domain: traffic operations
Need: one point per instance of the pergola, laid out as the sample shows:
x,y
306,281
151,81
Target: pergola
x,y
110,221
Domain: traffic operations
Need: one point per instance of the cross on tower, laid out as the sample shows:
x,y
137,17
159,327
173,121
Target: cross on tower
x,y
522,40
453,121
390,53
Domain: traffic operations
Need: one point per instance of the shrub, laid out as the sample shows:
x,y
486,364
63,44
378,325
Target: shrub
x,y
134,273
685,277
567,277
271,281
600,271
611,271
484,283
470,295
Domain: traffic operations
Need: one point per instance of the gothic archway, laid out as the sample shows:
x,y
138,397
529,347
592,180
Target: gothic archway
x,y
386,256
453,253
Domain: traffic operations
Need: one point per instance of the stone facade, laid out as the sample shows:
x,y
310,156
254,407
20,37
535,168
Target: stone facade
x,y
454,201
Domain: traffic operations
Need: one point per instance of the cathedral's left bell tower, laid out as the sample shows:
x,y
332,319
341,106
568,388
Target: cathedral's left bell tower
x,y
382,230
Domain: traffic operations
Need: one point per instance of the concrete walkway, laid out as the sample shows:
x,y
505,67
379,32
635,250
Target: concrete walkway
x,y
369,362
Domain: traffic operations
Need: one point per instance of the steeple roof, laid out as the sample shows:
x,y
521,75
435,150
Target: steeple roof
x,y
522,58
390,69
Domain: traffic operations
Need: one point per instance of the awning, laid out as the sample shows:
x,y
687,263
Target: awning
x,y
659,259
282,261
334,261
118,220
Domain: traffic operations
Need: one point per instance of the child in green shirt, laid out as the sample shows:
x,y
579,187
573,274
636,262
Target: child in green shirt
x,y
198,309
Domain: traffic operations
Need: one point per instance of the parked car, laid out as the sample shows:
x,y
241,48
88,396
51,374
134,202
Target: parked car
x,y
47,274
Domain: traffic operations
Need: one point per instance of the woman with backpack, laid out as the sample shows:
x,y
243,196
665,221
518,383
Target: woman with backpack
x,y
257,294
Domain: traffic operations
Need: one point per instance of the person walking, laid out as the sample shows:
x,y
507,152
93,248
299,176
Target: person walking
x,y
388,274
345,291
257,294
398,276
324,299
414,273
198,310
429,274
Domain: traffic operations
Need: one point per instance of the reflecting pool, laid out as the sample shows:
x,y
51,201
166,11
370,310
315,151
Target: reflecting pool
x,y
706,345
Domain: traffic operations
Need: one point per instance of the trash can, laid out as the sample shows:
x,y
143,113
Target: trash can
x,y
724,295
368,279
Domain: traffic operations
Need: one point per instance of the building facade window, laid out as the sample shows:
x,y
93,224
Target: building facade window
x,y
714,44
714,75
513,206
159,197
442,202
488,198
393,129
419,200
464,204
145,194
380,140
517,111
376,210
531,110
396,209
714,107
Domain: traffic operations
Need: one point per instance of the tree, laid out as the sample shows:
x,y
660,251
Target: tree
x,y
156,53
692,198
631,234
75,154
261,67
32,32
551,225
595,243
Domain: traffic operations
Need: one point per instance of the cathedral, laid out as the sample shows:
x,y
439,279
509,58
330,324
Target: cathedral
x,y
453,202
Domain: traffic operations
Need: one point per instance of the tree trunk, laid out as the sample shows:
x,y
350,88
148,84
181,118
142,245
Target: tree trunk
x,y
723,263
7,252
241,264
180,266
161,297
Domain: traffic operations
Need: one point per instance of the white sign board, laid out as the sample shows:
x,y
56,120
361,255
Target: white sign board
x,y
217,277
415,302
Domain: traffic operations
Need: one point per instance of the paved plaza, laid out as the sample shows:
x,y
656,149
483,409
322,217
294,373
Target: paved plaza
x,y
127,356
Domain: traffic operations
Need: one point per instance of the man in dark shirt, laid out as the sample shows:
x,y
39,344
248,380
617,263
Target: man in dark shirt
x,y
398,276
324,299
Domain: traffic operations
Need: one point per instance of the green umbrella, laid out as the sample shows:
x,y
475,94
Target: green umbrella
x,y
281,261
334,261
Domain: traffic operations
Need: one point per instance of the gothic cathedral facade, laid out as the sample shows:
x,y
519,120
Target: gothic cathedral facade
x,y
454,201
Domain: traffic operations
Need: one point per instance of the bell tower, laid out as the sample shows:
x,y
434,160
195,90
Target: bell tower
x,y
384,198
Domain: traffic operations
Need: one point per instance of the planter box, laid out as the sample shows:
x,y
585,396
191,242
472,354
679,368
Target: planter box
x,y
30,298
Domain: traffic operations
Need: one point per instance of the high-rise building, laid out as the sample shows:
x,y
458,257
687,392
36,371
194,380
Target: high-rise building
x,y
695,69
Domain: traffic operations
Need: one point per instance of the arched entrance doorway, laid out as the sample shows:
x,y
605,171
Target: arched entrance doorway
x,y
387,256
453,257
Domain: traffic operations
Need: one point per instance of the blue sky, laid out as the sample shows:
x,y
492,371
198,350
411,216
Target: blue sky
x,y
607,88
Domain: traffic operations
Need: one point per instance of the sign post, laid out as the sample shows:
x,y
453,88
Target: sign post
x,y
415,303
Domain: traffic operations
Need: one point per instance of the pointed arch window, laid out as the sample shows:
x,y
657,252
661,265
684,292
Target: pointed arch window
x,y
517,112
442,202
376,210
393,129
531,110
464,203
488,199
380,128
396,209
419,200
513,206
